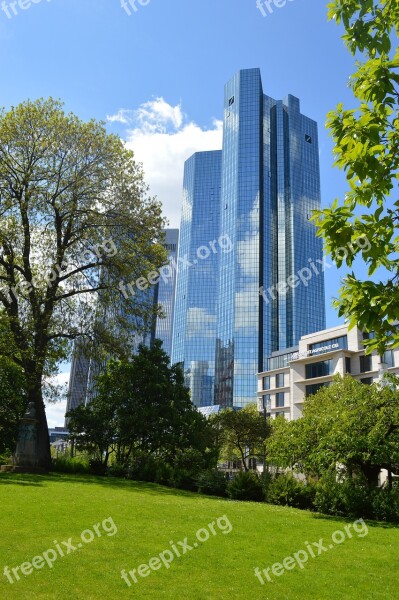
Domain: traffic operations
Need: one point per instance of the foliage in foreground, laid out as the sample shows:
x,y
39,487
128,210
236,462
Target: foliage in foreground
x,y
366,141
12,403
75,221
348,424
143,418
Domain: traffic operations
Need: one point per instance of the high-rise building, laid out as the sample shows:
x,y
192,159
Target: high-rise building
x,y
78,377
164,292
197,285
84,370
271,284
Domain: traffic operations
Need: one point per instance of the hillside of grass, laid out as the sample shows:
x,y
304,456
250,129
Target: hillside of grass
x,y
105,525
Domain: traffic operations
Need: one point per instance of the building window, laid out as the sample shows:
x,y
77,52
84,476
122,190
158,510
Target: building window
x,y
231,101
368,335
266,402
388,358
280,400
319,369
347,364
365,363
280,413
367,380
266,383
279,380
308,139
314,388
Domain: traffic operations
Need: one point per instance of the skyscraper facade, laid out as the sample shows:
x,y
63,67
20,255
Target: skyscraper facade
x,y
85,369
194,330
164,292
270,287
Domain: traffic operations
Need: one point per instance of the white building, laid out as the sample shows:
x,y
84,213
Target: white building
x,y
298,372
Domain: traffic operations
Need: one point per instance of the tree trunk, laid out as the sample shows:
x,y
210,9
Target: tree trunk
x,y
371,473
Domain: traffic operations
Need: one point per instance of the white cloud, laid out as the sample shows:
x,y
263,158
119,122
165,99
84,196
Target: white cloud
x,y
56,411
124,116
162,138
156,115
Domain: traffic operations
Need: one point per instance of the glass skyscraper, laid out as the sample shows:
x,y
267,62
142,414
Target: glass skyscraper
x,y
84,369
164,293
270,288
194,330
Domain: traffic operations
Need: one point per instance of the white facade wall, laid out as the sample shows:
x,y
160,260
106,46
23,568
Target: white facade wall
x,y
295,380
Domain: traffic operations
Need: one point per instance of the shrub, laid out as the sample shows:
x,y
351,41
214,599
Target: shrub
x,y
116,470
385,505
350,498
67,464
246,486
150,468
97,467
212,482
285,490
6,459
183,479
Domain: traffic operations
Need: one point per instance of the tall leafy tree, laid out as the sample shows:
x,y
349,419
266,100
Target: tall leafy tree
x,y
366,146
75,221
347,423
242,434
141,407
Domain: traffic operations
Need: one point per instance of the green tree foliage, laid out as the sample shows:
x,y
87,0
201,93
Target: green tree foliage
x,y
12,391
348,424
241,434
75,221
12,403
142,407
366,146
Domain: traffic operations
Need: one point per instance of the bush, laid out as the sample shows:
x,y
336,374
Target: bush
x,y
66,464
213,483
97,467
152,469
350,498
246,486
285,490
6,458
116,470
385,504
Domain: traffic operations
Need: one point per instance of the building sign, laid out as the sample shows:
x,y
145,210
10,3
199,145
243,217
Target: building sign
x,y
340,343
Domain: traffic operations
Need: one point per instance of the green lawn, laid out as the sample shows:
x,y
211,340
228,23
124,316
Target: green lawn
x,y
38,513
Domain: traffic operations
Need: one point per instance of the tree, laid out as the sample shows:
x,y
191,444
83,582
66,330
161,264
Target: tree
x,y
75,221
141,407
12,403
366,147
346,423
242,433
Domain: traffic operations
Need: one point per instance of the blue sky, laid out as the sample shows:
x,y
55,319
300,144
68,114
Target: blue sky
x,y
156,77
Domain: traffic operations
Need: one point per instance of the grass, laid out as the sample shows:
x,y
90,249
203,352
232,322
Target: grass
x,y
36,512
